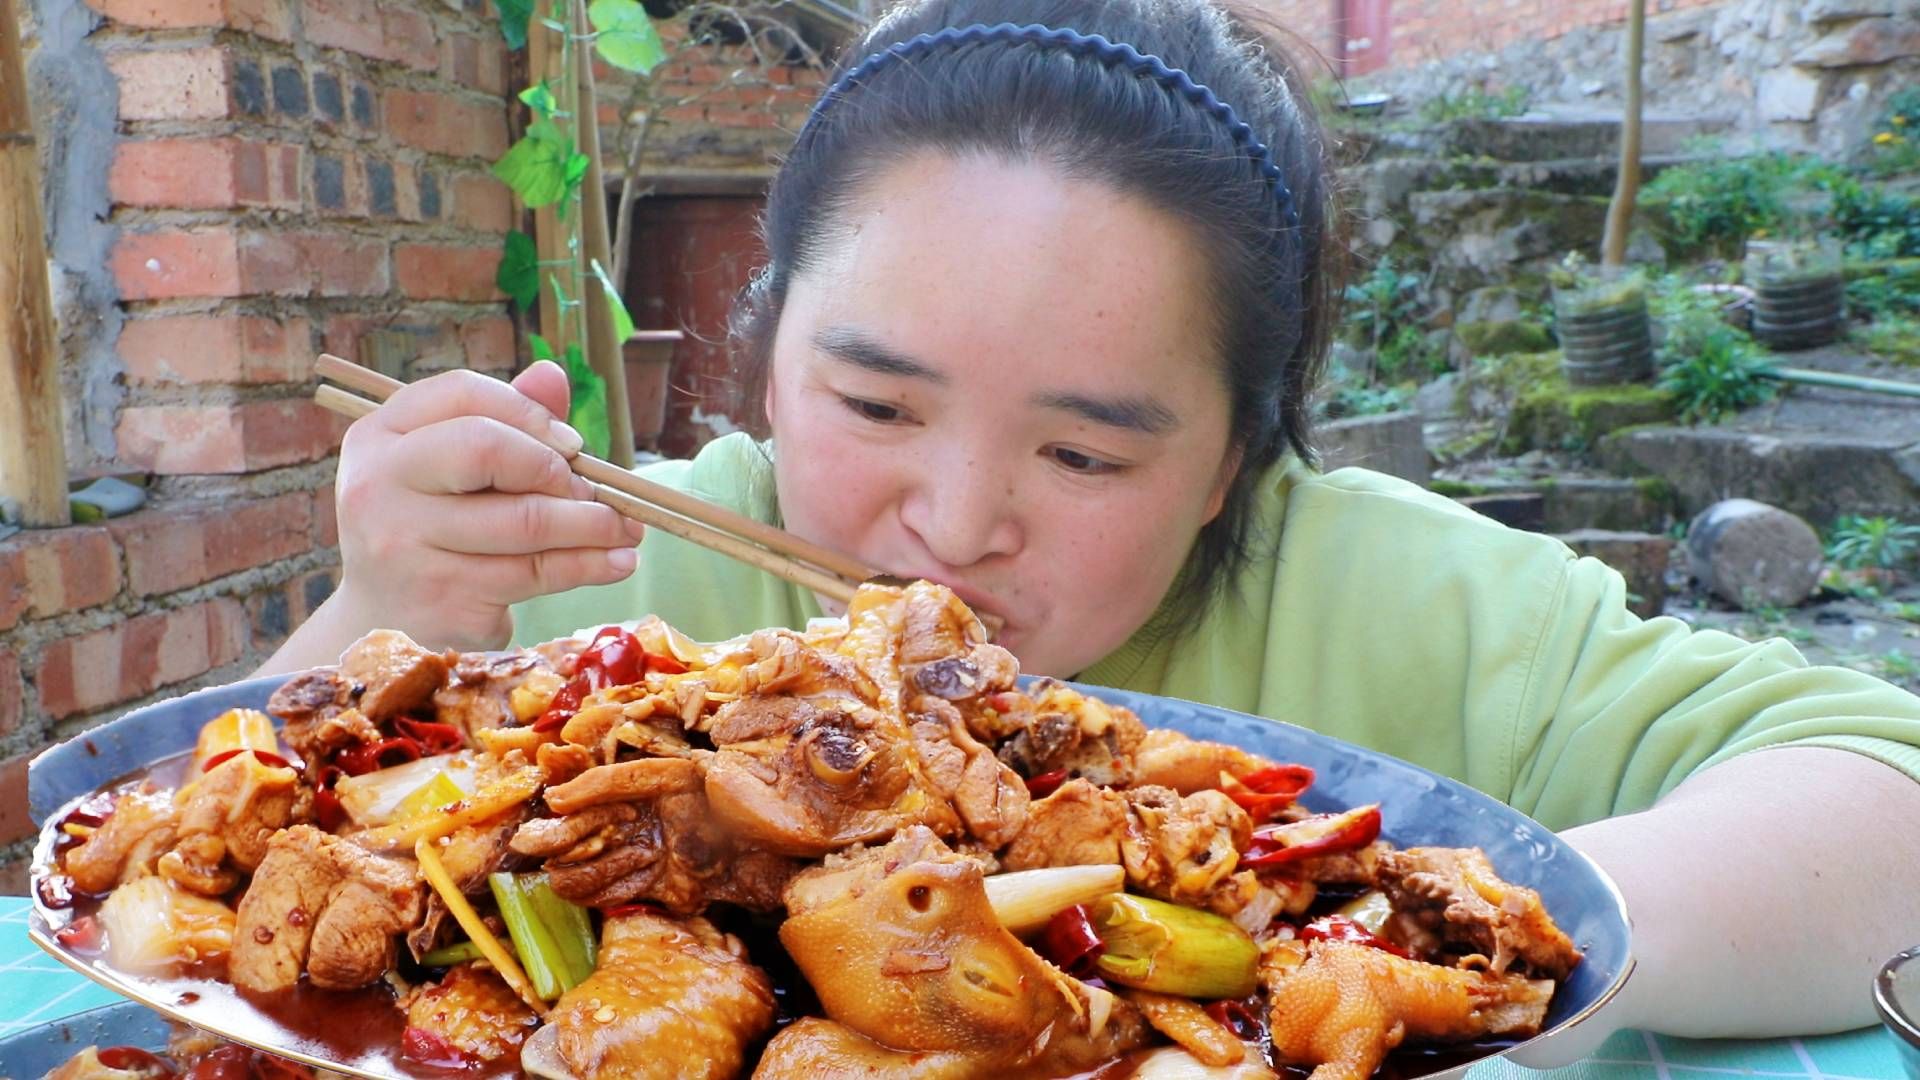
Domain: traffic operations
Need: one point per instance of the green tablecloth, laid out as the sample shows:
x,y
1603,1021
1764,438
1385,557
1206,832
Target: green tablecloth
x,y
35,989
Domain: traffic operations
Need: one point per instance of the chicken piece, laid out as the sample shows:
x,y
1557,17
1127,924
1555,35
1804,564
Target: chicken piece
x,y
626,781
1340,1007
903,948
670,998
474,1011
1069,732
991,799
1449,900
126,845
1184,849
323,905
1170,759
667,850
1185,1022
304,702
396,675
478,693
844,773
228,815
812,1047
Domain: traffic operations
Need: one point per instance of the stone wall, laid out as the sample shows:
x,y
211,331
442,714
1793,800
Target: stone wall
x,y
1786,74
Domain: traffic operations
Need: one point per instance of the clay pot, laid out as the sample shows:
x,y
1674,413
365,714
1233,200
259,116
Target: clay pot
x,y
648,356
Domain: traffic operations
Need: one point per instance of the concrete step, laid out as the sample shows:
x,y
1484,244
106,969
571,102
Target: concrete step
x,y
1551,133
1563,503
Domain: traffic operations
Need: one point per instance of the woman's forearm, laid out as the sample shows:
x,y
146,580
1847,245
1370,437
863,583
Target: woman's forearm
x,y
326,633
1765,892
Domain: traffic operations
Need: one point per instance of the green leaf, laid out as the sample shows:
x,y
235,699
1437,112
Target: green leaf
x,y
539,97
577,170
519,274
622,321
625,36
536,167
514,15
541,350
589,412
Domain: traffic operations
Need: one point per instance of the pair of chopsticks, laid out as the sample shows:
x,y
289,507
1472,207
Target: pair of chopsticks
x,y
696,521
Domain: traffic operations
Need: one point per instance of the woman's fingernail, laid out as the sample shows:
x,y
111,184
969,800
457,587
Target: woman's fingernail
x,y
564,438
623,560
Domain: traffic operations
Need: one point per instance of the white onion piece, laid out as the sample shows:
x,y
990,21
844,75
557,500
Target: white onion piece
x,y
1173,1063
155,927
1024,900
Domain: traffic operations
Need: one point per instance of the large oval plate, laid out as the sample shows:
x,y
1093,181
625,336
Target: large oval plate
x,y
1418,808
40,1050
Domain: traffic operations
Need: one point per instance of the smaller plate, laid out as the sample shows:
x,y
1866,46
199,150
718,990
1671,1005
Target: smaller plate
x,y
31,1054
1896,993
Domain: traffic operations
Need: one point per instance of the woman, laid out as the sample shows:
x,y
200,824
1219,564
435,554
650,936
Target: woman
x,y
1040,321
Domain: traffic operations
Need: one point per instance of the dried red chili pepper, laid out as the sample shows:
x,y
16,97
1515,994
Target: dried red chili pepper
x,y
1341,928
1265,792
369,757
621,911
326,804
265,757
1071,942
1240,1016
1322,834
82,933
134,1059
1046,783
434,738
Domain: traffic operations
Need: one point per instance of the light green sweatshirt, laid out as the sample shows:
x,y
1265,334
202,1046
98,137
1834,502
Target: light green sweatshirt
x,y
1390,617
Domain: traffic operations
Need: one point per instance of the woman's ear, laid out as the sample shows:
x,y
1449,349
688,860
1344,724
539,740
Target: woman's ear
x,y
1229,469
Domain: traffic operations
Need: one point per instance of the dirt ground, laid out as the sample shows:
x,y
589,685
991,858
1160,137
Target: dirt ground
x,y
1878,635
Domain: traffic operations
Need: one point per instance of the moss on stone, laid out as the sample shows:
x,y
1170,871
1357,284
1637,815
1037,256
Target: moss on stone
x,y
1454,489
1550,414
1503,338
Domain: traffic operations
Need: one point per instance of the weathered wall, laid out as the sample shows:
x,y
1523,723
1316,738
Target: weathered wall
x,y
1797,74
231,187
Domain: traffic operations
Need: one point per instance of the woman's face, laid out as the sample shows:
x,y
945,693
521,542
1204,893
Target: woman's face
x,y
1001,379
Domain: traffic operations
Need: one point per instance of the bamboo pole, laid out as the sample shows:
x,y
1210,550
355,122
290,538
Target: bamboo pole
x,y
604,350
543,62
33,467
1839,381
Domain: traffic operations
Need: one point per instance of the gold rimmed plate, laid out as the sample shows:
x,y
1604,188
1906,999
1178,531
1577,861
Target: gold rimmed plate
x,y
358,1032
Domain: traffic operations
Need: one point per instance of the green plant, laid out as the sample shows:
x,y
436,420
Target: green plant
x,y
1898,666
1875,222
1475,103
1717,370
1893,337
1904,611
1715,205
1384,317
1856,542
1347,394
1894,146
548,166
1881,295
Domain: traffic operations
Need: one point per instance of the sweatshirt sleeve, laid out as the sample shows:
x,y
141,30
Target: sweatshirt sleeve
x,y
1617,710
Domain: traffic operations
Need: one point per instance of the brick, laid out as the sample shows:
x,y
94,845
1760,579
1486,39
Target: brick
x,y
176,548
15,823
482,202
276,433
13,581
475,60
329,99
196,174
266,18
409,38
352,25
329,182
363,106
381,200
12,694
427,188
326,525
446,271
171,84
290,96
442,123
489,344
215,349
177,263
133,658
181,439
226,631
70,569
305,264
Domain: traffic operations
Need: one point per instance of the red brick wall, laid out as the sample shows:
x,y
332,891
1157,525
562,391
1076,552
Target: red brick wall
x,y
1427,30
287,176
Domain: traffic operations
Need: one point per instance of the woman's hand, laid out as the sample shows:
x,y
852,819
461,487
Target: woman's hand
x,y
456,499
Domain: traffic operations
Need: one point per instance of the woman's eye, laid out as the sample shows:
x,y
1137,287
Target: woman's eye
x,y
877,411
1075,461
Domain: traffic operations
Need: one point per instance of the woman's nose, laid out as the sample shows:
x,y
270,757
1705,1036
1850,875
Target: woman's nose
x,y
962,512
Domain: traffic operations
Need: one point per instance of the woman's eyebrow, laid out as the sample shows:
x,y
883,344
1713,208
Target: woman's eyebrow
x,y
1142,414
850,346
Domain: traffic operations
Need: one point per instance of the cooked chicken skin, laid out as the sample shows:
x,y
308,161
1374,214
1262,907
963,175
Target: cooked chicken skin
x,y
323,905
125,846
474,1010
1179,848
671,998
1450,899
228,816
396,675
902,947
1340,1007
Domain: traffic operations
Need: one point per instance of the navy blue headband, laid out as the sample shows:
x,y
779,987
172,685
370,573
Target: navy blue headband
x,y
1106,52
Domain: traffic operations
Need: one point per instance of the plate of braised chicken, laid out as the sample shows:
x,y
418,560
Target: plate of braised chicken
x,y
866,847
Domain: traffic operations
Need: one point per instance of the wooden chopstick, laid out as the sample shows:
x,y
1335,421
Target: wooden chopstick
x,y
699,522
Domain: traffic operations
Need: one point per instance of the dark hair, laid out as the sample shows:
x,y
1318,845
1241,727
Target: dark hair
x,y
1273,286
